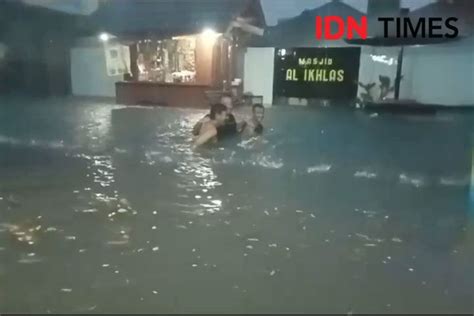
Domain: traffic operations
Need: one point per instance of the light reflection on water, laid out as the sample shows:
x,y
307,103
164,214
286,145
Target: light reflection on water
x,y
109,209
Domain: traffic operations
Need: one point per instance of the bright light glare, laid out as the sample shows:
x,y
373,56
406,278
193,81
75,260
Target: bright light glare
x,y
104,37
383,59
209,33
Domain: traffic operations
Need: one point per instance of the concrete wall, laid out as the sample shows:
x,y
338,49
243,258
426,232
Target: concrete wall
x,y
258,72
376,61
37,62
433,74
89,72
259,64
440,74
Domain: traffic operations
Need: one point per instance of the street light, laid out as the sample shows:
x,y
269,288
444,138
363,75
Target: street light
x,y
104,37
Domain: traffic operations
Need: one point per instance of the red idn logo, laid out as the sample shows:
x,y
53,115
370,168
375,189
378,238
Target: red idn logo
x,y
323,27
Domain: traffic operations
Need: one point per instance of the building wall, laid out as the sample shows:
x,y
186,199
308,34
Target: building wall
x,y
375,62
259,69
258,73
432,74
440,74
89,72
205,60
36,62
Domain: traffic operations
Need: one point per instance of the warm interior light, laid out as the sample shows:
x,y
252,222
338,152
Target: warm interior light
x,y
209,34
184,37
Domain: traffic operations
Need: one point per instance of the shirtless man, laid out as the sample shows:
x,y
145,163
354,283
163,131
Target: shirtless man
x,y
208,129
258,113
230,126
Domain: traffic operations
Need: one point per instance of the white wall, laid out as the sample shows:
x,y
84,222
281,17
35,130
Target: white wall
x,y
258,72
433,74
439,74
89,72
376,61
259,64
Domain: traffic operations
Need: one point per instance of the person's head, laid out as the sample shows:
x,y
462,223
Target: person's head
x,y
226,99
218,113
258,112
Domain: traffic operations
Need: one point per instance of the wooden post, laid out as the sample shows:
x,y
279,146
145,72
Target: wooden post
x,y
231,61
133,61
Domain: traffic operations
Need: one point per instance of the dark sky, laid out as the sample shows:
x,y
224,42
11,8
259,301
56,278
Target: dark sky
x,y
274,9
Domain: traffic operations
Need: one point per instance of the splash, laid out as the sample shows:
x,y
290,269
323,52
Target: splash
x,y
319,169
56,144
270,163
365,174
153,157
453,181
415,181
369,239
249,143
29,260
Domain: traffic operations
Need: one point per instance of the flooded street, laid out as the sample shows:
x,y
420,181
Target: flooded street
x,y
107,209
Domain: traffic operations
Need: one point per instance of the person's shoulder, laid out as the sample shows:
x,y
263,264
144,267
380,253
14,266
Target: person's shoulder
x,y
205,118
208,126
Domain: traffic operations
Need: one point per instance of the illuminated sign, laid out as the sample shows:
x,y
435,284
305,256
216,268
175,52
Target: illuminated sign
x,y
325,73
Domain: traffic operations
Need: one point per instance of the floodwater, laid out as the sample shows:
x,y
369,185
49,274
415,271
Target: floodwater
x,y
107,209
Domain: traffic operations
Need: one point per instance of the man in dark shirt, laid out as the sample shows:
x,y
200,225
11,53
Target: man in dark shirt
x,y
229,128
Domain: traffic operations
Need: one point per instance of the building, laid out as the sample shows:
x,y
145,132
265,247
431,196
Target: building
x,y
296,32
424,68
34,49
164,52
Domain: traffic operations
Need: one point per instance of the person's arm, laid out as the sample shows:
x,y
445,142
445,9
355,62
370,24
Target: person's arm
x,y
205,137
198,125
